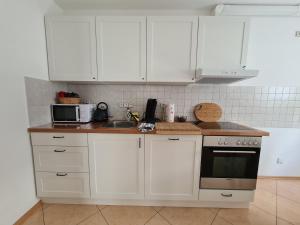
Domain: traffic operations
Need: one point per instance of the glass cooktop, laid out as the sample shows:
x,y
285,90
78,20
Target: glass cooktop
x,y
221,125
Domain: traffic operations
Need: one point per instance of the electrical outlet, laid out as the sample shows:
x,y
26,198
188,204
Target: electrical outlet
x,y
297,34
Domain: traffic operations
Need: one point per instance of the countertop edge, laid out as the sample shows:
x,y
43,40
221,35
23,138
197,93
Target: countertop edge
x,y
205,132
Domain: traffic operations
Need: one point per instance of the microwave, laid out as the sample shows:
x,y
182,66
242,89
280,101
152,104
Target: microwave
x,y
72,113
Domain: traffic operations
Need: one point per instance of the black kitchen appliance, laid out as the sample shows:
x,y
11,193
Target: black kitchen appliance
x,y
101,112
150,111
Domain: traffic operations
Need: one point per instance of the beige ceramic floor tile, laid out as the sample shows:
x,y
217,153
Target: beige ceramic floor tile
x,y
289,189
288,210
46,205
127,215
157,208
157,220
96,219
35,219
267,185
188,216
251,216
266,201
68,214
220,221
283,222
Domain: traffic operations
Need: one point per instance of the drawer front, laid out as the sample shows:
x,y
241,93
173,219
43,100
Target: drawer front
x,y
64,185
60,158
62,139
226,195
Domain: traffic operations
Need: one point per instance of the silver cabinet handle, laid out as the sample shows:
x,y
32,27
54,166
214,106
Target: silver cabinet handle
x,y
57,150
61,174
226,195
140,142
58,136
173,139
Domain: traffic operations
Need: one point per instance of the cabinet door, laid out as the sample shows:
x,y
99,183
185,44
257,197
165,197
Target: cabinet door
x,y
172,167
71,46
171,48
121,48
222,42
116,166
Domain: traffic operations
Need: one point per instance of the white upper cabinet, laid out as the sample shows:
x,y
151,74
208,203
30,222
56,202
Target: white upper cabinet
x,y
171,48
121,48
116,166
222,42
71,46
172,167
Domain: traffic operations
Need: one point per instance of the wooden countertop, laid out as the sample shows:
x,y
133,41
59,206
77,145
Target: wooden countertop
x,y
83,128
193,130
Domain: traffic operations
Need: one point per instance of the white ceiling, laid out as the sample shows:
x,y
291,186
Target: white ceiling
x,y
159,4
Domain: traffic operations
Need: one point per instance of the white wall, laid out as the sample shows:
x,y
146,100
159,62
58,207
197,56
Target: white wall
x,y
274,50
22,53
280,153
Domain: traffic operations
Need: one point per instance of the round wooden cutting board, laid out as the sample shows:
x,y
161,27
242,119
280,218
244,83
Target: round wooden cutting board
x,y
208,112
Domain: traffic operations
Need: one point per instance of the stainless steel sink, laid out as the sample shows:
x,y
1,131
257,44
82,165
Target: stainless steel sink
x,y
120,124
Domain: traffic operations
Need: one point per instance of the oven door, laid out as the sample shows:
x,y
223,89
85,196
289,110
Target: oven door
x,y
65,113
229,168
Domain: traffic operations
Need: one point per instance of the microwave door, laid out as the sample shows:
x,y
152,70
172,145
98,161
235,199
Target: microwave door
x,y
65,113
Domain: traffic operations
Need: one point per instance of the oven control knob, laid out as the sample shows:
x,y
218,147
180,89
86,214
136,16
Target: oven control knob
x,y
244,143
256,143
250,143
225,143
238,142
220,143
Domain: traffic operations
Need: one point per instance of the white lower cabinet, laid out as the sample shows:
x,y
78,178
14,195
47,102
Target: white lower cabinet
x,y
116,166
226,195
172,167
62,185
61,165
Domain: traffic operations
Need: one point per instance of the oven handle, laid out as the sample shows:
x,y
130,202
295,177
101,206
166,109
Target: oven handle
x,y
235,152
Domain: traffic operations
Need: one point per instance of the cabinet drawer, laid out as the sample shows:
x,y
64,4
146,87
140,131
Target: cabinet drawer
x,y
62,185
62,139
60,158
226,195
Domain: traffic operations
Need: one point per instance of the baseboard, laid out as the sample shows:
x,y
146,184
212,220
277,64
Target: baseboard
x,y
279,177
29,213
173,203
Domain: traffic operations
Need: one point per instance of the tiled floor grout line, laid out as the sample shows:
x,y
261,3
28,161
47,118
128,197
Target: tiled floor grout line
x,y
103,215
156,210
226,220
86,218
43,213
215,217
151,217
165,218
104,206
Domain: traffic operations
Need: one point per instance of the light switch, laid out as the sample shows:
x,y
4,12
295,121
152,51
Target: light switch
x,y
297,34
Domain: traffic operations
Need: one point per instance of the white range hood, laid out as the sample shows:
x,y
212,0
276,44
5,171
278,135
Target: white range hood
x,y
211,76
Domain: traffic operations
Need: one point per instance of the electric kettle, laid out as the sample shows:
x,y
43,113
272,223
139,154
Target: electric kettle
x,y
101,112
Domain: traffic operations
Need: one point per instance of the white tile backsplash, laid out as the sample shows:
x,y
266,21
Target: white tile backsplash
x,y
255,106
40,95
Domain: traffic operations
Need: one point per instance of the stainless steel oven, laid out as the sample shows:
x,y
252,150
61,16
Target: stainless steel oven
x,y
229,162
